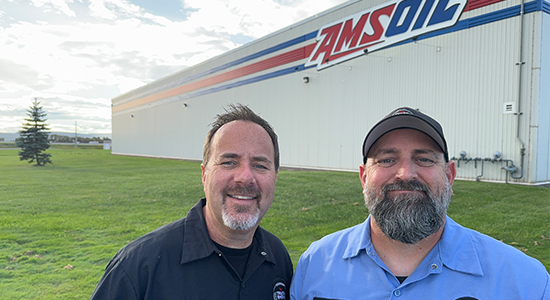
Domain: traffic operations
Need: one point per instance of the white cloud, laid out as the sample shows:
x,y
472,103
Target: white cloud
x,y
99,10
256,18
59,6
77,55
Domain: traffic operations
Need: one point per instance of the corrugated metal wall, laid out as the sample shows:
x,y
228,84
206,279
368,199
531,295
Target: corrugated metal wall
x,y
462,78
541,70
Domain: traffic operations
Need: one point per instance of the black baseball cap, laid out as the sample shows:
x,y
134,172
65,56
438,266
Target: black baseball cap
x,y
402,118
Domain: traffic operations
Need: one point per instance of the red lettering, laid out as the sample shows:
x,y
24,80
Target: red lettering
x,y
330,36
350,34
376,25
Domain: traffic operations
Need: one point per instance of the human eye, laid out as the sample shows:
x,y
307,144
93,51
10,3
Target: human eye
x,y
261,167
386,162
260,163
227,163
424,162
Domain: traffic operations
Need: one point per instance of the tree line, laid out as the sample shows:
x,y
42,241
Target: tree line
x,y
56,138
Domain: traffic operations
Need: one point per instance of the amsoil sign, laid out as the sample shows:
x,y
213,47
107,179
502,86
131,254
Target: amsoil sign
x,y
380,27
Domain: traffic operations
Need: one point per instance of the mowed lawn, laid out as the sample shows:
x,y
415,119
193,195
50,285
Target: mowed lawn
x,y
60,224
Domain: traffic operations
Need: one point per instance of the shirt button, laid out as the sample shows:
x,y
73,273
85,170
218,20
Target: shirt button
x,y
263,253
397,293
433,266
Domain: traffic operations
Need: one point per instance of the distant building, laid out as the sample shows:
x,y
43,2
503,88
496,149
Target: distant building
x,y
480,67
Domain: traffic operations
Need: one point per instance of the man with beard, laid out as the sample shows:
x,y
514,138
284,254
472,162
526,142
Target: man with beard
x,y
408,248
218,251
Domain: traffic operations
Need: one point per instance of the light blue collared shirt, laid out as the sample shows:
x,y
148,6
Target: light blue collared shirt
x,y
464,264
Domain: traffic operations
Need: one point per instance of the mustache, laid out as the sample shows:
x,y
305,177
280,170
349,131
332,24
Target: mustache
x,y
402,185
249,191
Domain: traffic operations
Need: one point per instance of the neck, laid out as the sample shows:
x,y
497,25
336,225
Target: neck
x,y
225,236
402,259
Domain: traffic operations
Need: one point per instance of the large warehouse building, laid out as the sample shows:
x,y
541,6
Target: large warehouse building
x,y
480,67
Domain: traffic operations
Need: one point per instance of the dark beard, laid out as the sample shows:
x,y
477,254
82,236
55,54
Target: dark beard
x,y
408,218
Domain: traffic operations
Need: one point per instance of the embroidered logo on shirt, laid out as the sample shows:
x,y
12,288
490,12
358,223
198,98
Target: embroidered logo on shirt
x,y
279,291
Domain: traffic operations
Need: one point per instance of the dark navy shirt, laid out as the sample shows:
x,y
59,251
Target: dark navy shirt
x,y
180,261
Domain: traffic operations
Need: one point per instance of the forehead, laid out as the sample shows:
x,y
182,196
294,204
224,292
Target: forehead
x,y
242,136
404,140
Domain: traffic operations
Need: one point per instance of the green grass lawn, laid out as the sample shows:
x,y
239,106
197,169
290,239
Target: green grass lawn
x,y
60,224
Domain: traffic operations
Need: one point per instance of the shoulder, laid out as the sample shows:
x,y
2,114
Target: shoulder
x,y
511,266
491,249
340,242
168,232
494,256
128,271
338,252
166,237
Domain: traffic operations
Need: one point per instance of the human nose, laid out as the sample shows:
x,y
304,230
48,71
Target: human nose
x,y
245,175
407,170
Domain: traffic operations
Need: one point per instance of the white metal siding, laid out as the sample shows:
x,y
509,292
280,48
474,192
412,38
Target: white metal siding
x,y
542,127
461,79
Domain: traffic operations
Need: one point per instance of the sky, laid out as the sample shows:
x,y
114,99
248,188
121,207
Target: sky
x,y
74,56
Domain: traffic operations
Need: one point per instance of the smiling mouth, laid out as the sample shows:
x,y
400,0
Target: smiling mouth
x,y
240,197
243,193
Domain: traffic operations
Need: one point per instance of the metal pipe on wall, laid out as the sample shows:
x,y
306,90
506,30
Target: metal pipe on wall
x,y
510,168
519,113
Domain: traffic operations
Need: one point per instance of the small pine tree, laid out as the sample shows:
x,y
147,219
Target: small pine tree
x,y
33,138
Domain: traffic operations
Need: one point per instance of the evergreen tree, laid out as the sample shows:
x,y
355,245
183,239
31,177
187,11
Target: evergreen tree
x,y
33,138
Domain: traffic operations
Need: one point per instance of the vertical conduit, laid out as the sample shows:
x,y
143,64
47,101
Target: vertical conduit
x,y
520,64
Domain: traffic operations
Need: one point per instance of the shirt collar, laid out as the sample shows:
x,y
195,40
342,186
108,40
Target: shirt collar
x,y
196,240
458,251
359,240
456,248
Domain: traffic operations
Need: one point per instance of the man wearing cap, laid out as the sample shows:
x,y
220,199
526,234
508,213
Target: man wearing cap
x,y
408,248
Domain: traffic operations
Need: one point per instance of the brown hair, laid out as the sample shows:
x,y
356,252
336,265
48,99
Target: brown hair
x,y
239,112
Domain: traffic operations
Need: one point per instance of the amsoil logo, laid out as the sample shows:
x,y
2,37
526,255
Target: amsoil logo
x,y
380,27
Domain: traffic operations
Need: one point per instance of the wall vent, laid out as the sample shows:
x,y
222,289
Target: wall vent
x,y
510,108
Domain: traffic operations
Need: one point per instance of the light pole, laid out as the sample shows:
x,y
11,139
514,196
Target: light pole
x,y
75,138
